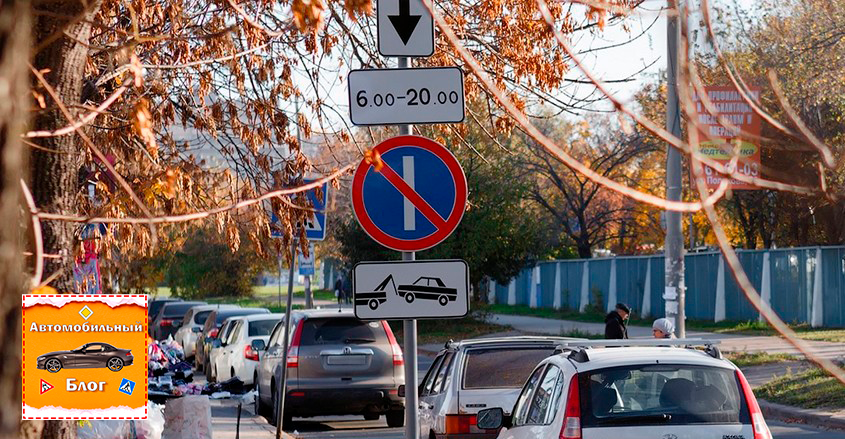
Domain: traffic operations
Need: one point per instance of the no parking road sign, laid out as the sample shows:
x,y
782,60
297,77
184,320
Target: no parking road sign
x,y
416,200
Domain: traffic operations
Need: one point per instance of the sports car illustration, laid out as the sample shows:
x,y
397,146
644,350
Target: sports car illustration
x,y
429,288
89,355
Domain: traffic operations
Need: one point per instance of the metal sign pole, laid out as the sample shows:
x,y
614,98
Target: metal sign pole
x,y
412,427
282,386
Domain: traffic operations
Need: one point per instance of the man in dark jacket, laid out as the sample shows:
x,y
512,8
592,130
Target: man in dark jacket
x,y
614,322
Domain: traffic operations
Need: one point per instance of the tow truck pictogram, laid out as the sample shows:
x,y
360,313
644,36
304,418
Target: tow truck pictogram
x,y
427,288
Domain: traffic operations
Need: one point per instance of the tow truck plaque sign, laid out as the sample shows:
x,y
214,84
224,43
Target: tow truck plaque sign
x,y
400,290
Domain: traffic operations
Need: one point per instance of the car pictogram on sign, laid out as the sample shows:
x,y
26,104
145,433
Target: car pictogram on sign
x,y
89,355
428,288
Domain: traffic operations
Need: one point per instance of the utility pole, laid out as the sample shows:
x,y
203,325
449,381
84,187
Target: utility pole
x,y
282,384
409,330
309,298
674,243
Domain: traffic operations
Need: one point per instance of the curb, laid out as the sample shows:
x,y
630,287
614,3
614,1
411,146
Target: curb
x,y
790,414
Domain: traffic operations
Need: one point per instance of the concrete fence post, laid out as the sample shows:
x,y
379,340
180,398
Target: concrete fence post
x,y
585,286
646,311
817,315
611,295
491,293
719,311
557,292
532,291
512,292
766,284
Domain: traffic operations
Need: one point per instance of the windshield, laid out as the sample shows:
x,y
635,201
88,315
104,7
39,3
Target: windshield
x,y
662,394
81,347
502,367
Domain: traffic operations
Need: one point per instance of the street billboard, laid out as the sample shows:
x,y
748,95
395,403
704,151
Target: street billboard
x,y
720,143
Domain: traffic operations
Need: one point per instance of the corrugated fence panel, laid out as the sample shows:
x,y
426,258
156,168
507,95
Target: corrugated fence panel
x,y
501,294
792,273
570,283
657,284
630,281
599,280
833,286
547,285
523,285
700,273
737,306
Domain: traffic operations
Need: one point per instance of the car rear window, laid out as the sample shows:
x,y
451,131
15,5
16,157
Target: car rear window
x,y
155,307
261,327
240,312
492,368
178,309
200,317
661,394
340,330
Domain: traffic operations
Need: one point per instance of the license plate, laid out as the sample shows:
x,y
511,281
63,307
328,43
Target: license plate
x,y
347,360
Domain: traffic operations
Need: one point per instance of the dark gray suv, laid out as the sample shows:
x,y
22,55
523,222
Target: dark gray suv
x,y
337,365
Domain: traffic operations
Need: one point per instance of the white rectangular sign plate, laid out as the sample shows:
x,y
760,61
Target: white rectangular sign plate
x,y
405,28
406,96
436,289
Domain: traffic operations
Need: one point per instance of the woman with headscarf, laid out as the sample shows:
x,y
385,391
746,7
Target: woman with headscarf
x,y
663,328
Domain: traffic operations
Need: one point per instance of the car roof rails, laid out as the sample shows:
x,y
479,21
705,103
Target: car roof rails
x,y
578,347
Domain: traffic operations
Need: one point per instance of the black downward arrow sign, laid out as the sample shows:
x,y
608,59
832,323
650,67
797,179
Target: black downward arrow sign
x,y
404,23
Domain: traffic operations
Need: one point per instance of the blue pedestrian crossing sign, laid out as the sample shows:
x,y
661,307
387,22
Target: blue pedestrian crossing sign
x,y
126,386
315,225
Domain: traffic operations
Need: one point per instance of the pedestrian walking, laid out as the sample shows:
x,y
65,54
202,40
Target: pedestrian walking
x,y
615,322
663,328
338,290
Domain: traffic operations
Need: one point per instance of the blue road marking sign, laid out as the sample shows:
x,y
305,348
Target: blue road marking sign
x,y
315,226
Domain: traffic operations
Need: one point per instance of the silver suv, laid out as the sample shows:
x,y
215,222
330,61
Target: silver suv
x,y
471,375
337,365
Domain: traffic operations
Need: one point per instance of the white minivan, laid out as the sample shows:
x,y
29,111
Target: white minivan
x,y
647,391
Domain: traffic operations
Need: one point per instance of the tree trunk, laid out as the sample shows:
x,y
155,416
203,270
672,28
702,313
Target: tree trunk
x,y
584,248
15,36
55,176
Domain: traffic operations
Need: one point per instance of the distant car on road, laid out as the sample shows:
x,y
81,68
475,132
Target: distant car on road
x,y
192,325
337,365
428,288
470,375
632,392
170,317
89,355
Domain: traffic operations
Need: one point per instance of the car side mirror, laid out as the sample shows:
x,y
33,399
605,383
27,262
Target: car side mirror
x,y
196,329
401,391
258,345
490,419
216,343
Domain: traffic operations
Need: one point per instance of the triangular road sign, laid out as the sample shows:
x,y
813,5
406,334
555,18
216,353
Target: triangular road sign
x,y
45,386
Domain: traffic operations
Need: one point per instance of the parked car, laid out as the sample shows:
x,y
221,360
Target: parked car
x,y
215,346
89,355
192,325
632,392
154,306
473,374
169,318
337,365
241,349
210,329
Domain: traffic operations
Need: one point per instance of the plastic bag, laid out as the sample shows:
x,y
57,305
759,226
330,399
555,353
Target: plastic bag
x,y
153,426
103,430
188,417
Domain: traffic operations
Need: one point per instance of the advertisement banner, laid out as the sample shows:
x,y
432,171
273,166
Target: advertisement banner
x,y
721,143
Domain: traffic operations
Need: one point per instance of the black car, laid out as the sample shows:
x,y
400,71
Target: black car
x,y
429,288
154,306
87,356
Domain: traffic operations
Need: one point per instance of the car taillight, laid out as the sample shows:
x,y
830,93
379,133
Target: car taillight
x,y
459,424
250,353
398,359
129,354
571,428
293,352
213,332
761,430
166,322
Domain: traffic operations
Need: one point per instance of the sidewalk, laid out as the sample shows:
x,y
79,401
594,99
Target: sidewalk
x,y
224,420
729,342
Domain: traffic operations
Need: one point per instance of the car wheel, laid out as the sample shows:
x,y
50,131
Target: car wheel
x,y
53,365
233,373
395,418
373,304
443,300
272,418
287,421
371,416
409,297
261,409
115,364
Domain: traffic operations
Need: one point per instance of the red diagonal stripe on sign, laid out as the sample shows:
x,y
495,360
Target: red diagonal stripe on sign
x,y
408,192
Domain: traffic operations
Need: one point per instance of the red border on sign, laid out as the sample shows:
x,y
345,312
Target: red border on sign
x,y
451,223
